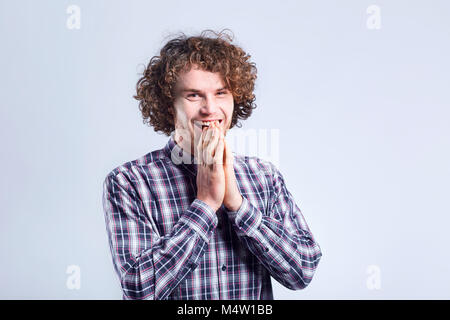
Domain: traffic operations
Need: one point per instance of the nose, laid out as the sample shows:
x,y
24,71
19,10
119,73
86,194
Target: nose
x,y
209,105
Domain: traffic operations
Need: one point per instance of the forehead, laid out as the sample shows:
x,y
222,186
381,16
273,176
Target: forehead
x,y
200,80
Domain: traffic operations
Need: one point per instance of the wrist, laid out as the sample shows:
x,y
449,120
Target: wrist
x,y
211,204
234,206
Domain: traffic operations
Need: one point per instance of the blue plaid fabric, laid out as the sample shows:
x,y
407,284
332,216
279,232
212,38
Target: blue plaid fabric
x,y
166,244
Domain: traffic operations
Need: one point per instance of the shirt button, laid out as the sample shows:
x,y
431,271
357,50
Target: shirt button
x,y
224,267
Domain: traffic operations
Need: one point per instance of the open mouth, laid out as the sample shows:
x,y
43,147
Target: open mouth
x,y
207,123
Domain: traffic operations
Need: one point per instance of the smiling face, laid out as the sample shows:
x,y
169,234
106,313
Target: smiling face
x,y
200,95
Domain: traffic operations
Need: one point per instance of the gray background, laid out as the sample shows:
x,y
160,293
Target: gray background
x,y
363,117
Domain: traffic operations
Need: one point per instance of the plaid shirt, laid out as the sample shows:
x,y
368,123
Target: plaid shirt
x,y
166,244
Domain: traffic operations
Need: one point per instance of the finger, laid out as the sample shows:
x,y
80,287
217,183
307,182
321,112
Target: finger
x,y
228,154
218,156
211,148
216,134
206,142
200,147
207,137
207,147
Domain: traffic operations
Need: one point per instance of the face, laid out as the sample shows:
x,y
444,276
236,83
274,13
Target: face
x,y
200,96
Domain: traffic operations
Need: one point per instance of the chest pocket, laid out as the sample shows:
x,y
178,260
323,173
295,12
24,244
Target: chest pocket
x,y
167,211
257,190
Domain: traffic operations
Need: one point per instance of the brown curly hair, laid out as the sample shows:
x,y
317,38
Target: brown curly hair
x,y
155,89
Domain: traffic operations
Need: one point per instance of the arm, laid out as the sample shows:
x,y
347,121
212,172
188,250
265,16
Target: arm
x,y
279,238
150,266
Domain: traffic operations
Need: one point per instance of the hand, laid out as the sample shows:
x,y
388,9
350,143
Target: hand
x,y
232,199
210,170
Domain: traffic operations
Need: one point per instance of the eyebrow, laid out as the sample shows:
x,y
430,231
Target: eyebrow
x,y
196,90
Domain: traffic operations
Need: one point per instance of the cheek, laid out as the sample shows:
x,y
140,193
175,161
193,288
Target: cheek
x,y
230,110
181,117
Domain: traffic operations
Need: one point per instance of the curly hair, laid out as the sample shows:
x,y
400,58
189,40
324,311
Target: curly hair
x,y
155,89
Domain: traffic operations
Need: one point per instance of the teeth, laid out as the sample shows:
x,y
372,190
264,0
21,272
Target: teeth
x,y
206,123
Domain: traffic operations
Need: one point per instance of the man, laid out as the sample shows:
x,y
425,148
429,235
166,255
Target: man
x,y
193,220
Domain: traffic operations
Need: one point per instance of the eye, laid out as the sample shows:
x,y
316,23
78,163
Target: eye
x,y
222,92
193,96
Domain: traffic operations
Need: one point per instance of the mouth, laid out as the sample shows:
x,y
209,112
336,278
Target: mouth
x,y
206,123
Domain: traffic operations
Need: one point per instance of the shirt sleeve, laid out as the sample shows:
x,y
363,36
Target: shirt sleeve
x,y
280,237
150,266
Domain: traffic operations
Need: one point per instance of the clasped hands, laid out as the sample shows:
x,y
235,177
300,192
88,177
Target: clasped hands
x,y
216,179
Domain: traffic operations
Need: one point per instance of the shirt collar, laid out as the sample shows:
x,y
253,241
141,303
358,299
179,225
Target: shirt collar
x,y
179,156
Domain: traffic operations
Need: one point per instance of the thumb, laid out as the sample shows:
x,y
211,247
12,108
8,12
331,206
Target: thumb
x,y
228,156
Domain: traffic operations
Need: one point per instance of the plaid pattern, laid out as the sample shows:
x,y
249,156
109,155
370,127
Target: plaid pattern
x,y
166,244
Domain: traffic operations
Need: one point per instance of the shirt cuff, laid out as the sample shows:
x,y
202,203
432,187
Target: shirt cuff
x,y
247,218
201,218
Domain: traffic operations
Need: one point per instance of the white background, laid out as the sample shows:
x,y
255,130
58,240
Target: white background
x,y
363,117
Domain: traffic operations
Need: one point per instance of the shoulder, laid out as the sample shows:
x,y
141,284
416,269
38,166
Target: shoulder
x,y
255,165
130,171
